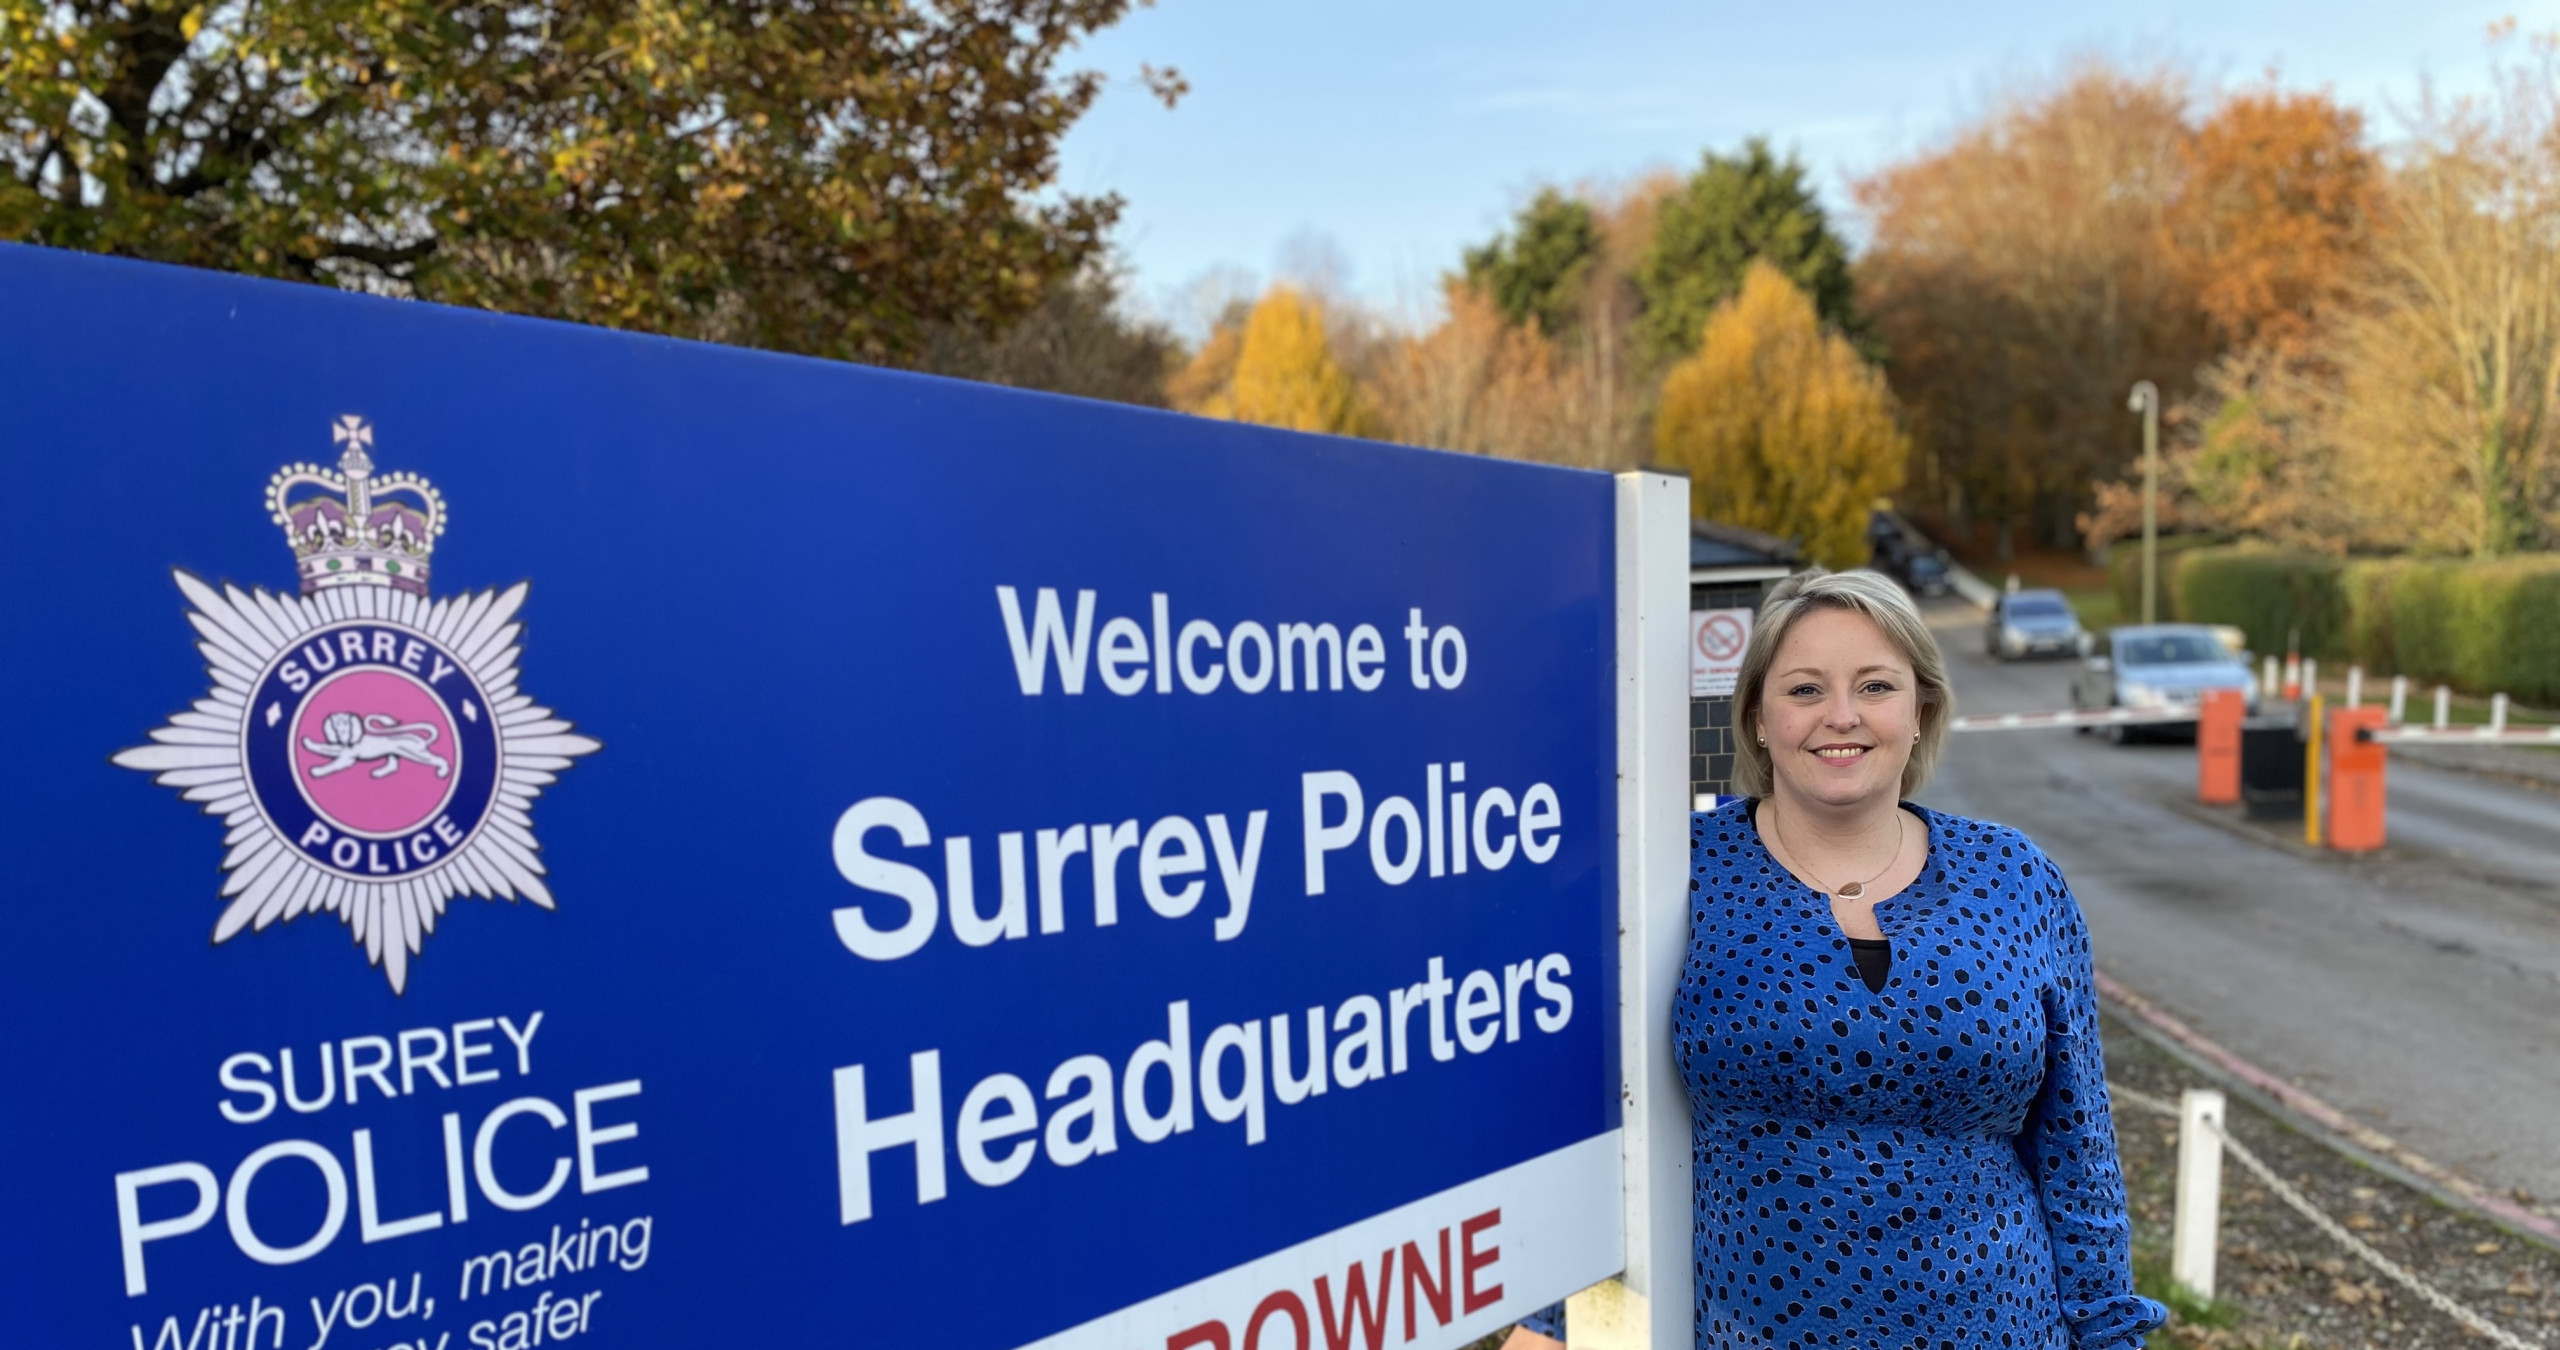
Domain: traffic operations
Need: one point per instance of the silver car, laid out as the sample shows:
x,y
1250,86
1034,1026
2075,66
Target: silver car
x,y
2161,665
2032,623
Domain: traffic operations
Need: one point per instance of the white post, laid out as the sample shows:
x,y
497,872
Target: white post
x,y
2195,1227
2146,401
2444,707
2355,686
1649,1307
2399,699
2310,676
2497,714
2267,687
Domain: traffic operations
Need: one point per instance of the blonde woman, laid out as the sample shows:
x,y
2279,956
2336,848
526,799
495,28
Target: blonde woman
x,y
1887,1025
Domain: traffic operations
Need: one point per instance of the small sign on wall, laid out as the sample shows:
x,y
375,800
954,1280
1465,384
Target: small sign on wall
x,y
1716,640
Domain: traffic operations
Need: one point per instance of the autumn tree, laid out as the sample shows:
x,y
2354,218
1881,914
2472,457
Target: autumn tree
x,y
2448,400
2274,213
2402,377
832,177
2020,278
1564,272
1277,368
1480,383
1734,209
1783,426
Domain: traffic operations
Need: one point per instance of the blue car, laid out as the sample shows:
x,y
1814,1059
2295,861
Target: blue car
x,y
2162,665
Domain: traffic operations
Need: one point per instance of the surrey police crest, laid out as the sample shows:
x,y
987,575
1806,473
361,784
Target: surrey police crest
x,y
367,747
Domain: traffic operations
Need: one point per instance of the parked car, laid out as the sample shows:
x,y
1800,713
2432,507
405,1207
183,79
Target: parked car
x,y
2032,623
2161,665
1921,570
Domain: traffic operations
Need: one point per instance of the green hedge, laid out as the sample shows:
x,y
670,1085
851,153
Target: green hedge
x,y
2365,586
2482,627
2124,573
2486,627
2269,594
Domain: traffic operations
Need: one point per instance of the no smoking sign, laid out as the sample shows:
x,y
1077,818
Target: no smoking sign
x,y
1716,640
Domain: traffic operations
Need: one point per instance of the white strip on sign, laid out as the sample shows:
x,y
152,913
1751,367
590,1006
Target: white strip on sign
x,y
1527,1227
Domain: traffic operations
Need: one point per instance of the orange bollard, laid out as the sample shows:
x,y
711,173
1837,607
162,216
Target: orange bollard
x,y
2218,746
2356,780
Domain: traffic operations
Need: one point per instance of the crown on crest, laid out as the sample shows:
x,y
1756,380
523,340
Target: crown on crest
x,y
352,532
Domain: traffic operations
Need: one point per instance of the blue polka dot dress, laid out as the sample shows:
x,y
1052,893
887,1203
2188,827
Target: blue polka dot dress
x,y
1932,1167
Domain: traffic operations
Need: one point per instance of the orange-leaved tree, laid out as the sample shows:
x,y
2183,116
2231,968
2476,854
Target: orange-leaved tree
x,y
1283,372
1478,383
2017,276
2275,214
1782,425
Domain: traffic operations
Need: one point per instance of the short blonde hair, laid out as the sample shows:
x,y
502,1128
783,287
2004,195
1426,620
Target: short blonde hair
x,y
1884,604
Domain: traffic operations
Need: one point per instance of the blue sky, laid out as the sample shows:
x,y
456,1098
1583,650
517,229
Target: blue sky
x,y
1374,140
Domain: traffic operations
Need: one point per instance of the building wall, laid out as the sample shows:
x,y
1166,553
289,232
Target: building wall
x,y
1711,744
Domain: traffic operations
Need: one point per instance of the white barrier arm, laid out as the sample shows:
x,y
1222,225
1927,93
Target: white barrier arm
x,y
2092,717
1648,1308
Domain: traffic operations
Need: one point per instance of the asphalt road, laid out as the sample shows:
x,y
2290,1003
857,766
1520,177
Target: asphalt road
x,y
2418,989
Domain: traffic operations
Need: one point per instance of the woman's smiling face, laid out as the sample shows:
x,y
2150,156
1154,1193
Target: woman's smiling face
x,y
1840,710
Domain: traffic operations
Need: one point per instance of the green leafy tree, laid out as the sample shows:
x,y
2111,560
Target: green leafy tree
x,y
1734,209
832,177
1539,270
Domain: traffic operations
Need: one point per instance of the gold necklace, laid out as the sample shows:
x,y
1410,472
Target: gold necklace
x,y
1854,889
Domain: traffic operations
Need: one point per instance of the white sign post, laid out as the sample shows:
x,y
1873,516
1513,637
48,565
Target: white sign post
x,y
1650,1306
1716,640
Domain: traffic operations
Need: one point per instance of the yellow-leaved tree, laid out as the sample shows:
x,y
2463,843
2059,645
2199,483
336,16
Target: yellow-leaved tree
x,y
1782,425
1284,373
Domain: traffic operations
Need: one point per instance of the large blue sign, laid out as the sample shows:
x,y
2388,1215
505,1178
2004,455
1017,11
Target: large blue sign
x,y
523,834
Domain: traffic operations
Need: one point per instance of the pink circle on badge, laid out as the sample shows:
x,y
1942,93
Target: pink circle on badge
x,y
375,752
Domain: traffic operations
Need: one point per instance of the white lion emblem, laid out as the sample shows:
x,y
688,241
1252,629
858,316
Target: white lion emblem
x,y
350,740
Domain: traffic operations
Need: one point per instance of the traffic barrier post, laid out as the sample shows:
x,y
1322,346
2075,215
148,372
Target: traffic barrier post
x,y
2399,699
2497,714
2320,1219
2355,686
2444,707
2311,776
2357,766
2311,675
2218,746
2195,1225
2267,678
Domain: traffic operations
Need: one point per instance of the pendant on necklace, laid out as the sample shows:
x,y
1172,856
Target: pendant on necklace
x,y
1851,891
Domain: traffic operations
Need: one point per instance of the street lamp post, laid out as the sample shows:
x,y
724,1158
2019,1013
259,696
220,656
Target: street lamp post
x,y
2146,401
